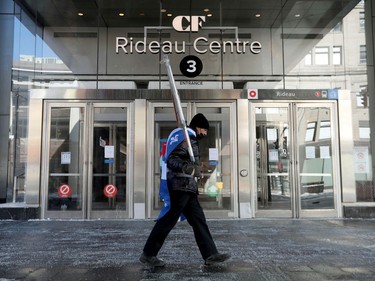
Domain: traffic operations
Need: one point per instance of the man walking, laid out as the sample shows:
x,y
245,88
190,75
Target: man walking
x,y
183,193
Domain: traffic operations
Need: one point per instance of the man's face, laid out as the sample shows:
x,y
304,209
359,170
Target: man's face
x,y
201,133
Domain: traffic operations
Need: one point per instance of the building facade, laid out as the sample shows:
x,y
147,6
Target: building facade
x,y
86,105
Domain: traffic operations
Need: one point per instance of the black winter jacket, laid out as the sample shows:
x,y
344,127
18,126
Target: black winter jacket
x,y
179,157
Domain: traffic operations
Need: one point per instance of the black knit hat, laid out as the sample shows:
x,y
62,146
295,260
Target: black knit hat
x,y
199,121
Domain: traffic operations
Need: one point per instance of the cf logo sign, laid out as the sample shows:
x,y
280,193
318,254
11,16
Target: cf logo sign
x,y
188,23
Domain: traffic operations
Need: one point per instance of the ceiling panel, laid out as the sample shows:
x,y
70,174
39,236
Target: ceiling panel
x,y
138,13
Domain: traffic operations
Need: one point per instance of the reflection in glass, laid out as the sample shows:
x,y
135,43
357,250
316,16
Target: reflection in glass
x,y
215,161
315,158
273,168
310,131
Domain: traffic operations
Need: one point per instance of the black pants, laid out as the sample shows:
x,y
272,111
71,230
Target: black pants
x,y
188,204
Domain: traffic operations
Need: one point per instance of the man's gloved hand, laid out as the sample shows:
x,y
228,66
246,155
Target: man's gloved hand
x,y
192,169
188,169
197,171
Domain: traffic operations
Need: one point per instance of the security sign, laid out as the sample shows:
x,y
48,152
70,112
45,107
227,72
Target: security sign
x,y
64,191
110,190
252,94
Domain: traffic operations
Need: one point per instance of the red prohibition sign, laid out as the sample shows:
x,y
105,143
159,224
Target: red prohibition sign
x,y
110,190
64,191
253,94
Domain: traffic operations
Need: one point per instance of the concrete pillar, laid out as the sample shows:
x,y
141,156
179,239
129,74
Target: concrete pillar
x,y
370,37
6,55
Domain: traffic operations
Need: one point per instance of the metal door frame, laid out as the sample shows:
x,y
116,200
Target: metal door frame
x,y
296,211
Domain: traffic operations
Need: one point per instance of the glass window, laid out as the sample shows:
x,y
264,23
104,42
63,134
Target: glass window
x,y
310,131
338,27
362,21
358,99
364,133
364,130
308,58
337,55
325,130
322,55
362,54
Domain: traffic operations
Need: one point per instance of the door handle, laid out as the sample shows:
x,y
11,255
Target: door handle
x,y
244,173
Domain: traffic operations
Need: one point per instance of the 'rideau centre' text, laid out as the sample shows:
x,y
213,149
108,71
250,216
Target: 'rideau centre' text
x,y
200,45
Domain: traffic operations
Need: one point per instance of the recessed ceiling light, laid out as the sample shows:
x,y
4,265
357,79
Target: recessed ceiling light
x,y
163,10
257,15
206,10
209,15
80,14
169,15
121,14
297,15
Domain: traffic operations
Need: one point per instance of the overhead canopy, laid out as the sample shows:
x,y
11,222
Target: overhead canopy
x,y
242,13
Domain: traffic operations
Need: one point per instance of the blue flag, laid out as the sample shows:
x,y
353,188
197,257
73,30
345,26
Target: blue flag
x,y
174,139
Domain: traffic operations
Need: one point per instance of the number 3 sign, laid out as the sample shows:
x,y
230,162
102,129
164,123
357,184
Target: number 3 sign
x,y
191,66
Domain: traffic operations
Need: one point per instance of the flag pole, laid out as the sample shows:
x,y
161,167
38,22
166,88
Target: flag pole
x,y
181,122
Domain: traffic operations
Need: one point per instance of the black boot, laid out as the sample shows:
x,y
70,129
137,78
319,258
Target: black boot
x,y
151,260
216,258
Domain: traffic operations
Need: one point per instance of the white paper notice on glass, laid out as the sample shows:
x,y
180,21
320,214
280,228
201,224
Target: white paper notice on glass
x,y
213,154
324,152
310,152
65,157
109,151
361,162
360,154
273,155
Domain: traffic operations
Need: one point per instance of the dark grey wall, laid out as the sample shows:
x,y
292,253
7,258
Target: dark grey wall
x,y
6,54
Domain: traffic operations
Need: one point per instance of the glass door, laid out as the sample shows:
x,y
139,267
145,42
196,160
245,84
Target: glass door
x,y
217,155
273,160
85,161
296,160
64,170
108,188
217,187
317,160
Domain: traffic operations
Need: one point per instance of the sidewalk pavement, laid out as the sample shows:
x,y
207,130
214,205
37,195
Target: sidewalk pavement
x,y
261,249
